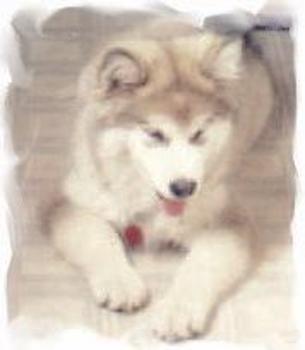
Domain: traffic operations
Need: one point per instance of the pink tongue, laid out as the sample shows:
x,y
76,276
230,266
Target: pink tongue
x,y
173,208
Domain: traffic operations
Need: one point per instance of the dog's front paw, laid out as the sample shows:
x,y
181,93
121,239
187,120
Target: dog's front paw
x,y
119,289
179,317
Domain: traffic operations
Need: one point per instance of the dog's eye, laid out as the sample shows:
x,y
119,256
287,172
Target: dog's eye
x,y
157,135
198,137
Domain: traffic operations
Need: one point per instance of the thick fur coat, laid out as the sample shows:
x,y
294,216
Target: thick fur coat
x,y
167,114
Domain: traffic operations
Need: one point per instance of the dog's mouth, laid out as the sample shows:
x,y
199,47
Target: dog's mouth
x,y
172,207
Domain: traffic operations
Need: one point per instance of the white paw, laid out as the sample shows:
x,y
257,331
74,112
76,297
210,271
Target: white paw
x,y
119,289
178,317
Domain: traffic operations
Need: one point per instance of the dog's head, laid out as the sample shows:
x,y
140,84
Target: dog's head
x,y
173,99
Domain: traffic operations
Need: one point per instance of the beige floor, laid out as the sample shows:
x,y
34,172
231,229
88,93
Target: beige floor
x,y
43,286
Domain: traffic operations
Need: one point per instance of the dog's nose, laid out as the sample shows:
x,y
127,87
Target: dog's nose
x,y
182,188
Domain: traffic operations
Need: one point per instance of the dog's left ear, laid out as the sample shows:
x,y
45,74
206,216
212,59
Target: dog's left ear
x,y
120,72
223,59
228,61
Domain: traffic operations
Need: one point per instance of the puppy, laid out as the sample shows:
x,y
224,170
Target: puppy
x,y
167,114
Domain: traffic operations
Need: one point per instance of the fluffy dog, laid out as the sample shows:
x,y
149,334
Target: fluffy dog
x,y
167,114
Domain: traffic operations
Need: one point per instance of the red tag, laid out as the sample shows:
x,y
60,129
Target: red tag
x,y
133,236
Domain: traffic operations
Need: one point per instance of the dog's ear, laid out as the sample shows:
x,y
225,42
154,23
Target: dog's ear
x,y
222,59
228,61
121,72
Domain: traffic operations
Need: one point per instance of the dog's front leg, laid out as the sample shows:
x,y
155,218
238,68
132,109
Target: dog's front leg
x,y
89,242
217,261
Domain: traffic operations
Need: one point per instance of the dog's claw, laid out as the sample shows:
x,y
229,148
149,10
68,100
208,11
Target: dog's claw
x,y
119,291
178,319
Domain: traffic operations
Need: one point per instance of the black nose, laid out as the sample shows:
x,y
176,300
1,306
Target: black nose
x,y
182,188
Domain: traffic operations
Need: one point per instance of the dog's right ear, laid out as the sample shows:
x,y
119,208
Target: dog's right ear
x,y
120,72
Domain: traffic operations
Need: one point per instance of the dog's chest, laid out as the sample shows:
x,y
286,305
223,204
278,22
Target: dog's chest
x,y
139,207
141,219
154,231
156,228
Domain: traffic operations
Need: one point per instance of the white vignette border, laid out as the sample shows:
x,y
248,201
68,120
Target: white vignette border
x,y
79,337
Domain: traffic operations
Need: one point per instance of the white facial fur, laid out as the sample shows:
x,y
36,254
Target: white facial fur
x,y
177,157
